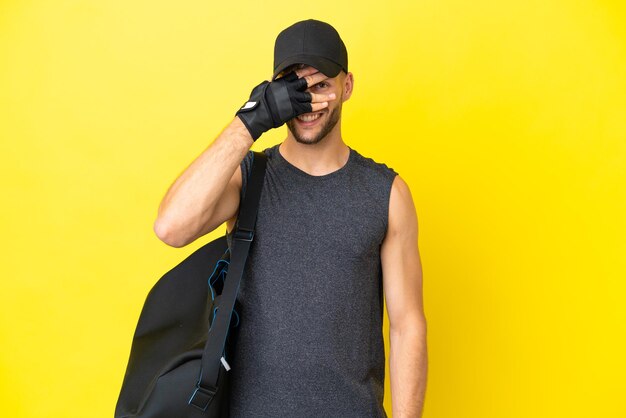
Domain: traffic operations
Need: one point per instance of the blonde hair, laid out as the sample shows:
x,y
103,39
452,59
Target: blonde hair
x,y
292,67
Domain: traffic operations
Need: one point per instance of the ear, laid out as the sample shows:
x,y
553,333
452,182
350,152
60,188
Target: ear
x,y
348,85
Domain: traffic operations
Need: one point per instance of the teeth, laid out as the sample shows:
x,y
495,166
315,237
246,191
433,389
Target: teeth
x,y
309,118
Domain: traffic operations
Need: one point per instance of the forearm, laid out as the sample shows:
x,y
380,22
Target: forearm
x,y
189,201
408,365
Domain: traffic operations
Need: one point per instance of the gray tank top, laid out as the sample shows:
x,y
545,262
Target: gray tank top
x,y
310,340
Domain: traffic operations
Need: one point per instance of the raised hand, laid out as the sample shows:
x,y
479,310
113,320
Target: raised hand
x,y
271,104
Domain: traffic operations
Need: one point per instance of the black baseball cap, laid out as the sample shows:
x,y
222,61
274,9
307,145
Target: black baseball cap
x,y
310,42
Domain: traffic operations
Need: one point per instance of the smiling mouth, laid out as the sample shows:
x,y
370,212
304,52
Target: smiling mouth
x,y
307,119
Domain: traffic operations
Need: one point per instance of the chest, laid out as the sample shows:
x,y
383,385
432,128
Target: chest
x,y
322,218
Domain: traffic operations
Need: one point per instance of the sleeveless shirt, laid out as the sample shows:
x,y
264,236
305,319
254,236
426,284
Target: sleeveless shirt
x,y
309,340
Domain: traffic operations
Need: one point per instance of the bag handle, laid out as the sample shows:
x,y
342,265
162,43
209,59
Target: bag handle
x,y
243,235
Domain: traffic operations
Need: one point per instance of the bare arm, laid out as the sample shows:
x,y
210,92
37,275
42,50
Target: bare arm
x,y
402,283
207,192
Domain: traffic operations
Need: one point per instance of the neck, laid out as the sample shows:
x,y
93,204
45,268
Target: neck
x,y
326,156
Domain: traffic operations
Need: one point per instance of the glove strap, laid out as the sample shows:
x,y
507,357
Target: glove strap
x,y
282,102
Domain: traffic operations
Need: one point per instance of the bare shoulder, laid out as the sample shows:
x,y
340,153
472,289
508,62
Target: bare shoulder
x,y
402,213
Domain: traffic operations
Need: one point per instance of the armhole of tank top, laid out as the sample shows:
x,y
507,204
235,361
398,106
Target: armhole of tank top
x,y
390,175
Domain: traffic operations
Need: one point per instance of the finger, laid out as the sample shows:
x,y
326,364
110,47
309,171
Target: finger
x,y
290,76
315,78
317,98
301,84
308,70
318,106
302,96
308,80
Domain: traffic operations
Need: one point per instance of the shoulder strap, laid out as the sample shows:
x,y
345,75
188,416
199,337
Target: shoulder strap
x,y
243,235
246,219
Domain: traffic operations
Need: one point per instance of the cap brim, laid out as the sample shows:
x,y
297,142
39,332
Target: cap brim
x,y
325,66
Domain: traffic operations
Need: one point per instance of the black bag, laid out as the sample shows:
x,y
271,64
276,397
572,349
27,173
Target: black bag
x,y
178,365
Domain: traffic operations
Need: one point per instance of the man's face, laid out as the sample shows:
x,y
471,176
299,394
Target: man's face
x,y
313,132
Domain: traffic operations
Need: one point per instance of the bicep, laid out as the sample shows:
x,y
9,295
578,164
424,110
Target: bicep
x,y
400,259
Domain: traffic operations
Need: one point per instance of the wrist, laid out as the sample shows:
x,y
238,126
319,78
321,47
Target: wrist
x,y
242,131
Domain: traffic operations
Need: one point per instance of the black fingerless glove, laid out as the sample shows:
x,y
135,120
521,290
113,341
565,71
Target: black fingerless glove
x,y
271,104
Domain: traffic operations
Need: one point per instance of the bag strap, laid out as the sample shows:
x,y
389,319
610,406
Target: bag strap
x,y
243,234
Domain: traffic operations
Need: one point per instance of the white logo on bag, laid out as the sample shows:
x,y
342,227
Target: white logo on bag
x,y
226,365
248,105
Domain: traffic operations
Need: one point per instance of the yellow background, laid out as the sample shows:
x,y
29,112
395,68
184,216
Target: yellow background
x,y
506,118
